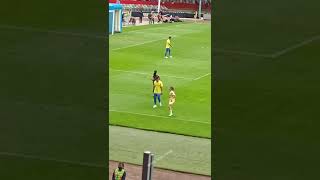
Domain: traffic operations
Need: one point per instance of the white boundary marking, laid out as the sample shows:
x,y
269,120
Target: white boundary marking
x,y
241,52
162,156
295,46
134,72
155,28
31,29
133,45
25,156
273,55
150,115
201,76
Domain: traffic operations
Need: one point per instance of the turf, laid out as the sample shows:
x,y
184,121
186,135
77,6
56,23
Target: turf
x,y
174,152
34,169
267,113
136,52
52,90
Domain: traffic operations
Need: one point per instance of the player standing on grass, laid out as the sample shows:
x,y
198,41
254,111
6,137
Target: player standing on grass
x,y
157,91
154,77
172,99
168,48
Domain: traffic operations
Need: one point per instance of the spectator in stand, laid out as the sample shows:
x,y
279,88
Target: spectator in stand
x,y
132,21
150,18
171,19
165,19
159,17
140,17
176,19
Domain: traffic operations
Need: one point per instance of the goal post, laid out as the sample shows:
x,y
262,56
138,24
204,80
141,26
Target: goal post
x,y
115,18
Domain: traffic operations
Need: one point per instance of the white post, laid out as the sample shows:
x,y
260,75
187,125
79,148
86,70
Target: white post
x,y
146,164
199,12
159,6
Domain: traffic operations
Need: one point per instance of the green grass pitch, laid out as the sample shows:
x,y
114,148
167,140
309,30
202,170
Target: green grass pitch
x,y
52,90
266,67
133,56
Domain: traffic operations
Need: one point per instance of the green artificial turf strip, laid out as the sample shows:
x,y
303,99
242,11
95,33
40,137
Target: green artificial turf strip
x,y
183,153
52,87
133,57
267,112
12,167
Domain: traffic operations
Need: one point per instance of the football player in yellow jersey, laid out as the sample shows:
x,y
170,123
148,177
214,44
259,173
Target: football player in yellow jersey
x,y
168,48
157,91
172,99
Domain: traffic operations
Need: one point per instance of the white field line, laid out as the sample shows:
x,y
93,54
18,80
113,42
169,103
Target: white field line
x,y
201,76
295,46
163,27
146,42
159,34
30,29
141,73
25,156
242,53
138,44
161,157
273,55
165,117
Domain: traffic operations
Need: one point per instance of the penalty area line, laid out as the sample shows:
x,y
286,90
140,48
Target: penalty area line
x,y
201,76
165,117
25,156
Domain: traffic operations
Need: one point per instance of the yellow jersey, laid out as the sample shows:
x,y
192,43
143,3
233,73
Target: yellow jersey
x,y
168,43
172,96
157,87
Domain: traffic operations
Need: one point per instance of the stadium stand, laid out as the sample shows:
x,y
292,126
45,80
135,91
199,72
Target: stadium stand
x,y
166,5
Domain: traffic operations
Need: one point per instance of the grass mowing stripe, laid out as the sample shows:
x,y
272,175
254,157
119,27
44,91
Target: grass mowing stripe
x,y
138,44
25,156
129,92
246,53
141,114
147,28
134,72
31,29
